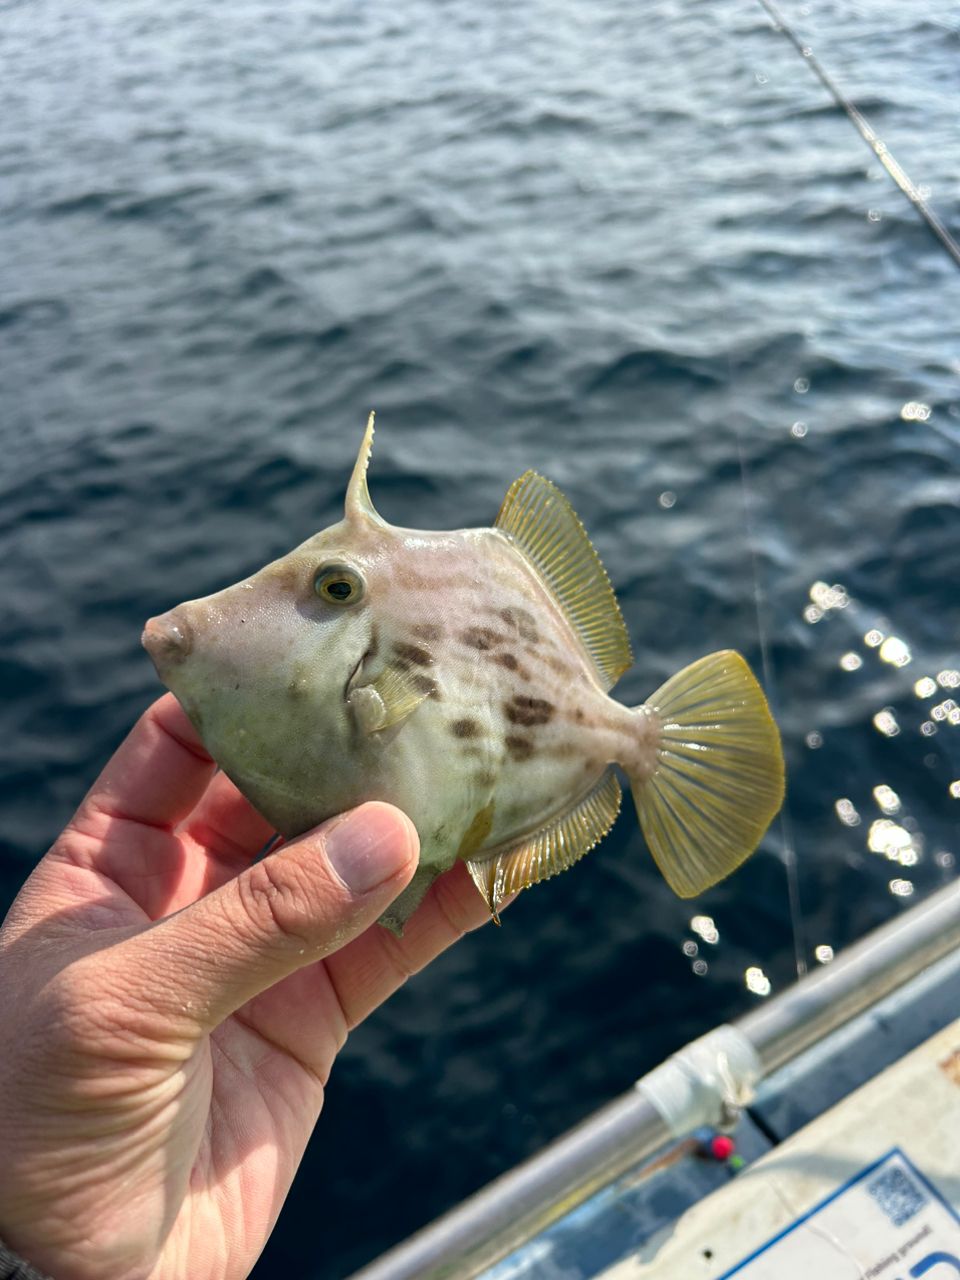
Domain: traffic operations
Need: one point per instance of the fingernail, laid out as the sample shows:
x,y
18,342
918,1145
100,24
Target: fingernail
x,y
369,846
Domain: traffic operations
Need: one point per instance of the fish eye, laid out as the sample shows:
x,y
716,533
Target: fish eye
x,y
338,584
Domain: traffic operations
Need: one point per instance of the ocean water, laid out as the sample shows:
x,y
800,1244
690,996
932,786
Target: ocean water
x,y
634,247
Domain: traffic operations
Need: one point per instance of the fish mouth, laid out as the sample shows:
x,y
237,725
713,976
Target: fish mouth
x,y
168,639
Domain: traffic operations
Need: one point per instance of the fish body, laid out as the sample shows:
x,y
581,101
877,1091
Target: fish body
x,y
464,677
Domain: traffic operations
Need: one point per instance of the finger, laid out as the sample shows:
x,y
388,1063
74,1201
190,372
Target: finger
x,y
156,776
372,967
286,911
348,985
228,829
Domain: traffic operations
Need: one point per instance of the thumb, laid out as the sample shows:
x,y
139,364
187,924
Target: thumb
x,y
289,910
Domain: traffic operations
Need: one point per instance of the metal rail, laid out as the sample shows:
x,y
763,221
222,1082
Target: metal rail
x,y
515,1207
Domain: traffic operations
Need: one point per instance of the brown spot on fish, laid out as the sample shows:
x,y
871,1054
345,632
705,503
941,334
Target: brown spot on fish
x,y
578,715
480,826
428,631
524,710
465,728
520,748
512,663
485,778
424,684
525,624
481,638
556,664
414,654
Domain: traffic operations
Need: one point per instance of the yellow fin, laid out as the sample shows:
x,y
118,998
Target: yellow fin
x,y
389,699
550,850
545,527
718,780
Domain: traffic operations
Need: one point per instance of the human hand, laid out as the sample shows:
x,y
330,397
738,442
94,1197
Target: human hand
x,y
172,1009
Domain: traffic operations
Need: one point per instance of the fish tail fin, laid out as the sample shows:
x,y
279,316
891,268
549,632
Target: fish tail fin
x,y
708,779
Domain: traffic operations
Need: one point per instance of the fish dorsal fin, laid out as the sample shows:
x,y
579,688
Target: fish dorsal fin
x,y
389,699
545,527
556,846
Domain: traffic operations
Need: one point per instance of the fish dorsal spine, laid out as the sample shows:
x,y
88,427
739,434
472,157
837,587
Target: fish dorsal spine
x,y
358,506
545,527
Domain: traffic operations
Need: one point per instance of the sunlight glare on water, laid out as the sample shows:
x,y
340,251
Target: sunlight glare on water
x,y
757,981
886,798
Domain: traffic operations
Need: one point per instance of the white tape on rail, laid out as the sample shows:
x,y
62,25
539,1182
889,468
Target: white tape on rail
x,y
705,1083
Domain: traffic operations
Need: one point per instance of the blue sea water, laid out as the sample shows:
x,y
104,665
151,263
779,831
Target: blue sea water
x,y
634,247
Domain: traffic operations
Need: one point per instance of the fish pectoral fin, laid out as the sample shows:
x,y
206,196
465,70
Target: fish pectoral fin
x,y
718,778
388,700
547,852
542,523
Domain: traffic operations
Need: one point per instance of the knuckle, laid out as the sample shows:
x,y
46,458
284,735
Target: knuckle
x,y
457,908
278,901
396,957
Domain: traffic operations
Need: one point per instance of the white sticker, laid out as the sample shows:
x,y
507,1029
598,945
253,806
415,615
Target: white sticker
x,y
886,1223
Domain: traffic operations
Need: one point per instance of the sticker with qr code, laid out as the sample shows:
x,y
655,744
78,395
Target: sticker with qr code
x,y
897,1194
887,1222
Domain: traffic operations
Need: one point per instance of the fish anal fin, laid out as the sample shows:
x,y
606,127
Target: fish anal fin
x,y
718,779
387,700
547,852
545,527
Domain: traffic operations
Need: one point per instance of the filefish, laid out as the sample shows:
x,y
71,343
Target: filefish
x,y
464,676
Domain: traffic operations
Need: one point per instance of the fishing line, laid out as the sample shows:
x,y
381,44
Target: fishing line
x,y
786,822
867,133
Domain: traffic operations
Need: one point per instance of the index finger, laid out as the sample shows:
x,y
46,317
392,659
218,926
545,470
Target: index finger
x,y
157,774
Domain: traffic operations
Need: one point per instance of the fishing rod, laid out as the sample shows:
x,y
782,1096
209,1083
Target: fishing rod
x,y
867,133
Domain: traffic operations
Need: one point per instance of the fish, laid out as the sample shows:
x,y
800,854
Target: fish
x,y
465,677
